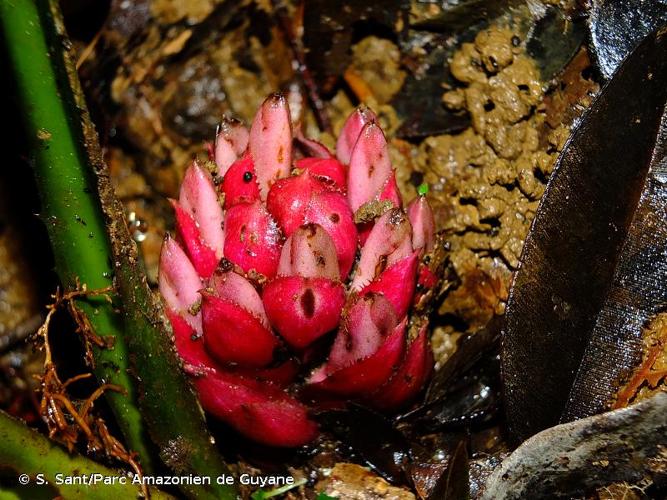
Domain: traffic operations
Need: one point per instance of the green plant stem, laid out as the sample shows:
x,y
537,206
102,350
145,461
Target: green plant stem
x,y
75,188
26,451
69,208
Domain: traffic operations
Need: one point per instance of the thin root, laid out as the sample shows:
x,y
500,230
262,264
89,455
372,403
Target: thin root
x,y
73,422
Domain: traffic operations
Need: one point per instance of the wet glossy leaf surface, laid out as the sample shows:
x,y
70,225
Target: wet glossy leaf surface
x,y
455,483
554,40
419,101
374,438
617,26
440,471
637,292
471,347
461,16
471,401
474,401
436,465
562,329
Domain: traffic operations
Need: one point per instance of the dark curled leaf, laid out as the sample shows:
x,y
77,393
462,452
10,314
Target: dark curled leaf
x,y
442,473
638,291
617,26
583,290
554,41
473,400
373,437
454,484
462,15
466,390
419,101
471,347
474,404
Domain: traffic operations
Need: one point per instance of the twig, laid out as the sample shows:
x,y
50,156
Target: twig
x,y
85,54
296,44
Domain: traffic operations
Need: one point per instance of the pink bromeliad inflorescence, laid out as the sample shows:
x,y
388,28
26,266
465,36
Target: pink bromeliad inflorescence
x,y
269,271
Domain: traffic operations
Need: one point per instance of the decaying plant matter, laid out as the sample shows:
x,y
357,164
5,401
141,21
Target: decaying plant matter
x,y
69,421
267,260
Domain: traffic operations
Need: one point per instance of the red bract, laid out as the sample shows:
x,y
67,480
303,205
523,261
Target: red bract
x,y
366,351
351,132
179,284
303,199
305,301
239,184
407,382
370,176
423,225
270,142
236,329
252,238
199,220
327,170
397,283
278,271
259,410
230,143
310,147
